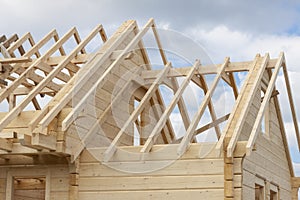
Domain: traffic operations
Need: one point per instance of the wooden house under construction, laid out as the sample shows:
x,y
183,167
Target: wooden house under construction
x,y
89,124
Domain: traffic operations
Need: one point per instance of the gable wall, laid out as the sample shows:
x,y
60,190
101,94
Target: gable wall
x,y
269,161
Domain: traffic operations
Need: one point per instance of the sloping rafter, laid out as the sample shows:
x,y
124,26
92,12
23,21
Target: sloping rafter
x,y
190,132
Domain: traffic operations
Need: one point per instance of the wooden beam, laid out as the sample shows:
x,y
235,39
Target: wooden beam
x,y
10,40
212,124
174,83
190,132
283,132
233,85
210,106
18,43
295,182
207,69
292,105
6,144
266,99
2,38
158,127
151,91
15,60
225,134
253,83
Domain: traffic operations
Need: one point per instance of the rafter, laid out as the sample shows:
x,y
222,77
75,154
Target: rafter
x,y
263,106
190,132
253,82
155,133
210,106
150,92
292,105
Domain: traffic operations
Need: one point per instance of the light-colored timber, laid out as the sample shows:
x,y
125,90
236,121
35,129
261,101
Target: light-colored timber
x,y
79,122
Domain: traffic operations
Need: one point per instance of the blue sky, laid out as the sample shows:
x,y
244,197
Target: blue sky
x,y
234,28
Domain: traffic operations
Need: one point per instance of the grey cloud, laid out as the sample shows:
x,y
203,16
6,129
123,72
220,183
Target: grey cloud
x,y
249,16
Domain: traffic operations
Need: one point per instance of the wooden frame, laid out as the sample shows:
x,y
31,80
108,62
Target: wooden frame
x,y
64,127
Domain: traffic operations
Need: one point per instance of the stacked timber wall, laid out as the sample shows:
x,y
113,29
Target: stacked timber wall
x,y
189,177
267,167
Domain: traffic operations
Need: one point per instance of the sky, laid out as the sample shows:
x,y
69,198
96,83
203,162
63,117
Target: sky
x,y
236,28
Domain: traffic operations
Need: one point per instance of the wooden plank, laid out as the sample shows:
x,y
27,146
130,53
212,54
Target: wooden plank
x,y
292,105
211,107
159,153
15,60
2,38
154,168
295,182
6,144
233,85
18,43
212,194
150,92
283,135
207,69
44,141
155,133
212,124
190,132
151,183
261,112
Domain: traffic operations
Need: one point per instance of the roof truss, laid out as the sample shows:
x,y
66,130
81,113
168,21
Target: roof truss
x,y
34,74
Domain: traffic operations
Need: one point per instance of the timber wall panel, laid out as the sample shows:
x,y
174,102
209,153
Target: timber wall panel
x,y
189,177
268,161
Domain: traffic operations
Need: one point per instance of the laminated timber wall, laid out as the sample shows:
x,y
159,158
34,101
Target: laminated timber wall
x,y
189,177
78,148
268,166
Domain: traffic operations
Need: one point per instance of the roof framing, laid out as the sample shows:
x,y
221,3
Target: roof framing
x,y
34,74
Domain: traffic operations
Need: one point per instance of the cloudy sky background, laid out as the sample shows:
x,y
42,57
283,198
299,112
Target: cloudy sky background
x,y
234,28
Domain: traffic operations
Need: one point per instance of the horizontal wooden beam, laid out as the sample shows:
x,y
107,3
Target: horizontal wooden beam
x,y
295,182
15,60
26,90
20,149
207,69
6,144
162,152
